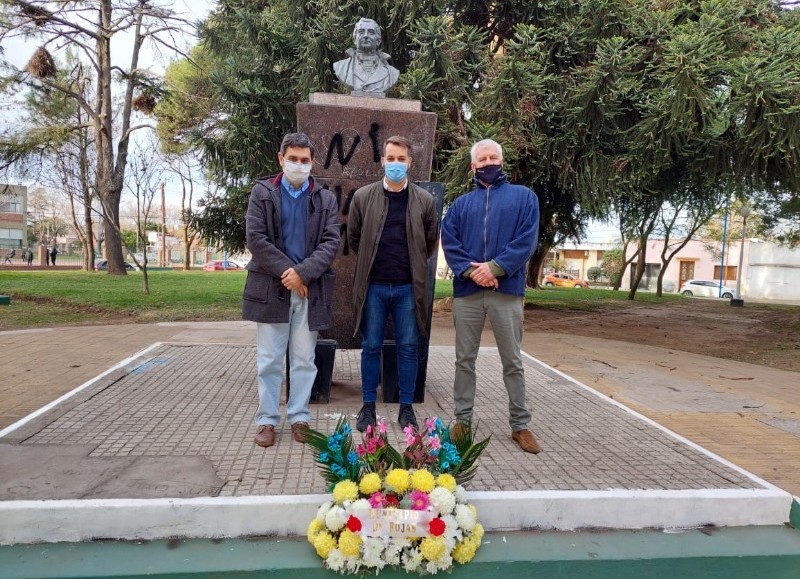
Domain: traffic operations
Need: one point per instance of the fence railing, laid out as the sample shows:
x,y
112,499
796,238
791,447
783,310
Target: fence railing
x,y
174,258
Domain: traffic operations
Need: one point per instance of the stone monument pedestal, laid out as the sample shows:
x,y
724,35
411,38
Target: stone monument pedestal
x,y
348,133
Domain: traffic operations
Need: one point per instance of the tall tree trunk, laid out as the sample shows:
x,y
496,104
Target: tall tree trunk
x,y
88,225
641,254
104,134
186,208
535,265
112,233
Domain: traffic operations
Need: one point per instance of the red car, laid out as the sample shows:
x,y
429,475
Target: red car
x,y
220,265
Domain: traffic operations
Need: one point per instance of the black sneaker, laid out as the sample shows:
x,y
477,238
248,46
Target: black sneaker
x,y
366,416
407,417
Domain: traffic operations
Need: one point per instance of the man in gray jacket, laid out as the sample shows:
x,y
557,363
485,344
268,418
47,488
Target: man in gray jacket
x,y
293,235
393,228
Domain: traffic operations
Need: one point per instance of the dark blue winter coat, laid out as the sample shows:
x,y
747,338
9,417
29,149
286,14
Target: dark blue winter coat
x,y
500,223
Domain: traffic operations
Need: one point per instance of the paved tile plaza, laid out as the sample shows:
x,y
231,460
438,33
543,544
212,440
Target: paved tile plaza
x,y
197,401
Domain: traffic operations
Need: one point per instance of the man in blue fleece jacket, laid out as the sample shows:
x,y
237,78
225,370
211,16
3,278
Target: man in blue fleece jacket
x,y
488,236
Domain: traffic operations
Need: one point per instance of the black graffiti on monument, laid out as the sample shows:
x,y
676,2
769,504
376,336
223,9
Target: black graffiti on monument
x,y
345,212
337,145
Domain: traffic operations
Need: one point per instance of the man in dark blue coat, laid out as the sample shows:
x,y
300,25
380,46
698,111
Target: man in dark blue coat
x,y
488,236
293,236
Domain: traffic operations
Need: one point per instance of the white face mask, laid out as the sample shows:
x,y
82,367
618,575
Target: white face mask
x,y
296,173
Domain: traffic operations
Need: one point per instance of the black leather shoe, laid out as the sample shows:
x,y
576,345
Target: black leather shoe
x,y
366,417
407,417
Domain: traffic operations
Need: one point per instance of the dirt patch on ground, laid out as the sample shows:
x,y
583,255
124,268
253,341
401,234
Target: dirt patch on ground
x,y
768,335
758,334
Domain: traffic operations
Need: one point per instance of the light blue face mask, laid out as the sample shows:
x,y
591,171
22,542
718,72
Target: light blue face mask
x,y
396,171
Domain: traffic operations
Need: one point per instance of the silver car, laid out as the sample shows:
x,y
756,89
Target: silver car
x,y
706,289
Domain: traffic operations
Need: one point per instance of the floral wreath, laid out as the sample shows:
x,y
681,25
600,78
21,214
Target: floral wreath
x,y
408,511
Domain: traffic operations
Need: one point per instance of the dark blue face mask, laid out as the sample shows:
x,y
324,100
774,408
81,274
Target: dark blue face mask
x,y
489,174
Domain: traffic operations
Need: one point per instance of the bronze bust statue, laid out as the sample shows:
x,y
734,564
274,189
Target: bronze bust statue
x,y
366,70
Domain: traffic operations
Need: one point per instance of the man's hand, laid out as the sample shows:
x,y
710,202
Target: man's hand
x,y
483,276
291,280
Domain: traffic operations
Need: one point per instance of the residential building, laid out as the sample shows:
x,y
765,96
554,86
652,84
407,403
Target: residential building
x,y
13,217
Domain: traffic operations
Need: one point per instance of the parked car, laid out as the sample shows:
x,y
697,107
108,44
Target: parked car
x,y
706,288
220,264
564,280
241,260
102,265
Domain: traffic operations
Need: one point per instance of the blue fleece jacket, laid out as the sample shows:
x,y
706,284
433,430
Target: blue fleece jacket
x,y
499,223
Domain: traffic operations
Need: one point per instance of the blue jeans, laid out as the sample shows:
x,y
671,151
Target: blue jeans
x,y
383,299
273,341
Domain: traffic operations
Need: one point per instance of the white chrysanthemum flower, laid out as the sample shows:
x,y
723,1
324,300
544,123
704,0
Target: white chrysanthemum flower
x,y
442,500
465,517
323,510
461,495
392,554
413,561
402,543
335,519
445,562
373,557
432,568
373,549
335,560
359,505
352,564
451,530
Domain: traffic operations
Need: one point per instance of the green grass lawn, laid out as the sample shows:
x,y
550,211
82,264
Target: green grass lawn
x,y
572,298
69,297
52,298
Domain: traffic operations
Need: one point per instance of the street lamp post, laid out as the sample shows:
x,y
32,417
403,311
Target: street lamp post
x,y
738,301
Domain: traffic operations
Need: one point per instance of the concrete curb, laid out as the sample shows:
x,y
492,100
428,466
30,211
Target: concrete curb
x,y
224,517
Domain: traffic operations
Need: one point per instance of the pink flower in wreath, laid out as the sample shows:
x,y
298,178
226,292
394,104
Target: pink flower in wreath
x,y
382,427
419,501
360,450
410,434
377,500
435,443
430,424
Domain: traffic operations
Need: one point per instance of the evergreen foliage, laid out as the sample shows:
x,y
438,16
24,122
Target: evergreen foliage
x,y
600,105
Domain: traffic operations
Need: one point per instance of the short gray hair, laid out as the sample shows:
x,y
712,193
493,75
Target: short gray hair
x,y
473,152
368,21
298,140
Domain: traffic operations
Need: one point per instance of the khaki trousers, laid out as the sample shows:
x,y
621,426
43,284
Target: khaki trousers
x,y
505,314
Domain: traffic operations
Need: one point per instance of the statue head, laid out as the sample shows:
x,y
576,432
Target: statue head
x,y
366,69
366,35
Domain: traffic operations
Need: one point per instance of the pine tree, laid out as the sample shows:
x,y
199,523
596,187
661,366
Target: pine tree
x,y
601,105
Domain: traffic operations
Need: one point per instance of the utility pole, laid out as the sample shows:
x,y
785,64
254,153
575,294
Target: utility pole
x,y
163,229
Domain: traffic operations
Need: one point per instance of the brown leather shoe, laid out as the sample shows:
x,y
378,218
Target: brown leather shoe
x,y
526,441
298,431
266,435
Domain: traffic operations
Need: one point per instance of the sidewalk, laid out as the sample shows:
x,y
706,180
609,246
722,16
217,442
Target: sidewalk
x,y
174,420
746,413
